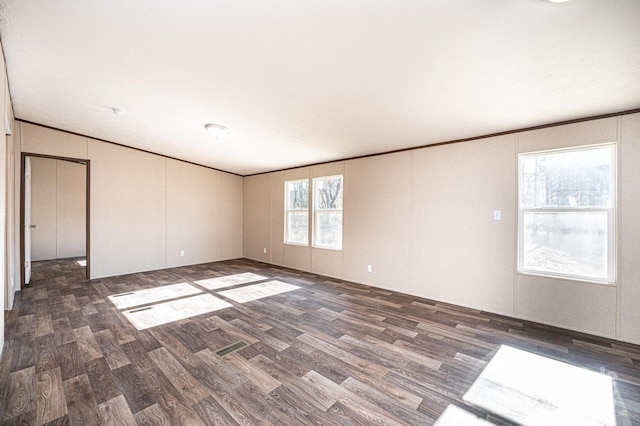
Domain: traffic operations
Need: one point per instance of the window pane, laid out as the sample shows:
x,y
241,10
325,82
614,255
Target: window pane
x,y
298,195
329,229
298,227
573,243
579,178
329,193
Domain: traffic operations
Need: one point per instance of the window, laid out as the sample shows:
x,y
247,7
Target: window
x,y
327,212
297,212
567,213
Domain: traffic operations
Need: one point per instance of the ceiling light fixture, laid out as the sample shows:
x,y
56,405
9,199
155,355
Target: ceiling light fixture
x,y
558,1
217,130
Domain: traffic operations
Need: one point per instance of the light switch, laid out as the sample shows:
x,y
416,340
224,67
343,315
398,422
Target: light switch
x,y
497,215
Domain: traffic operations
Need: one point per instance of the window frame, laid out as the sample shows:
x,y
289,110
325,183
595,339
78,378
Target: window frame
x,y
288,210
316,211
611,212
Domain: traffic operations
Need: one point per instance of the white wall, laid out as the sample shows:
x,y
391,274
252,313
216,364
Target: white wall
x,y
424,220
6,119
145,208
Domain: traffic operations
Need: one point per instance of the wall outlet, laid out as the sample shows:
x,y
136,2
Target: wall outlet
x,y
264,250
497,215
181,253
369,268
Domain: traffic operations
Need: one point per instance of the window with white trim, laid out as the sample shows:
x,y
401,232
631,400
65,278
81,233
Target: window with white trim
x,y
297,212
327,212
566,214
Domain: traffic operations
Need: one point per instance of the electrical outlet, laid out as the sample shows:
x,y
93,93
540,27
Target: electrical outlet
x,y
369,268
181,253
497,215
264,250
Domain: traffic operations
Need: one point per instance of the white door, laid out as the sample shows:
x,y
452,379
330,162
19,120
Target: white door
x,y
27,220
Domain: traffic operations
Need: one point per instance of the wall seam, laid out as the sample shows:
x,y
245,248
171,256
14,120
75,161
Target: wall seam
x,y
618,227
517,227
411,221
271,215
56,208
166,232
312,215
344,169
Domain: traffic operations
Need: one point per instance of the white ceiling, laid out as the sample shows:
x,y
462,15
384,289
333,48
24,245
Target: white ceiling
x,y
301,82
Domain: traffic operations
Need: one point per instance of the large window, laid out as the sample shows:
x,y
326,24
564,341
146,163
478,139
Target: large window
x,y
567,204
327,212
297,212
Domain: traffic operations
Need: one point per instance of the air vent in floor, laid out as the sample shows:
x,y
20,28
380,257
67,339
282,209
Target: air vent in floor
x,y
231,348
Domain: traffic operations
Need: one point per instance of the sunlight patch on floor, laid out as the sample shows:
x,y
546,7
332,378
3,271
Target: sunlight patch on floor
x,y
230,280
152,295
257,291
82,262
530,389
456,416
164,313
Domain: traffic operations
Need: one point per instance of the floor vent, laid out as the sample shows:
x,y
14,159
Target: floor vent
x,y
231,348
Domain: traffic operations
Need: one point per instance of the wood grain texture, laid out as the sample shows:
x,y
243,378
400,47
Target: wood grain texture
x,y
81,404
50,400
330,352
116,412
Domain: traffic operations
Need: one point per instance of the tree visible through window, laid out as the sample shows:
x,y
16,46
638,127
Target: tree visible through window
x,y
566,213
328,212
297,212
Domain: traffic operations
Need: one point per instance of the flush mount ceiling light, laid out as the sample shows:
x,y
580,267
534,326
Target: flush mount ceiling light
x,y
558,1
217,130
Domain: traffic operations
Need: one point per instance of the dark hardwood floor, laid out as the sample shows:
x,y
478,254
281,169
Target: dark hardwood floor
x,y
330,352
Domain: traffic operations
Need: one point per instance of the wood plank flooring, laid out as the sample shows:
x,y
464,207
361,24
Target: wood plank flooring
x,y
329,352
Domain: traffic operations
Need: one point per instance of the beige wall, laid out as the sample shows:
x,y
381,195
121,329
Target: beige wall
x,y
146,208
204,214
629,228
257,200
580,306
3,111
424,220
71,206
44,211
58,209
128,210
459,254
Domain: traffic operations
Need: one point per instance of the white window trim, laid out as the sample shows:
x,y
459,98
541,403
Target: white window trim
x,y
316,211
287,210
611,221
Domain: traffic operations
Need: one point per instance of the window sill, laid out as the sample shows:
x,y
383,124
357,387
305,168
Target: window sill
x,y
296,244
327,248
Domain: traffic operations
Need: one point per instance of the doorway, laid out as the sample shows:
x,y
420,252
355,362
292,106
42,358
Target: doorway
x,y
54,207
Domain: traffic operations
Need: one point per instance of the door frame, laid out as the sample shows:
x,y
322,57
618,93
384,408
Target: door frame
x,y
87,163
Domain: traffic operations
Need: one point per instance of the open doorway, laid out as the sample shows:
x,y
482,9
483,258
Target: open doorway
x,y
54,211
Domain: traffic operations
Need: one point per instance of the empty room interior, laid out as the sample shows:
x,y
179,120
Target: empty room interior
x,y
292,213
